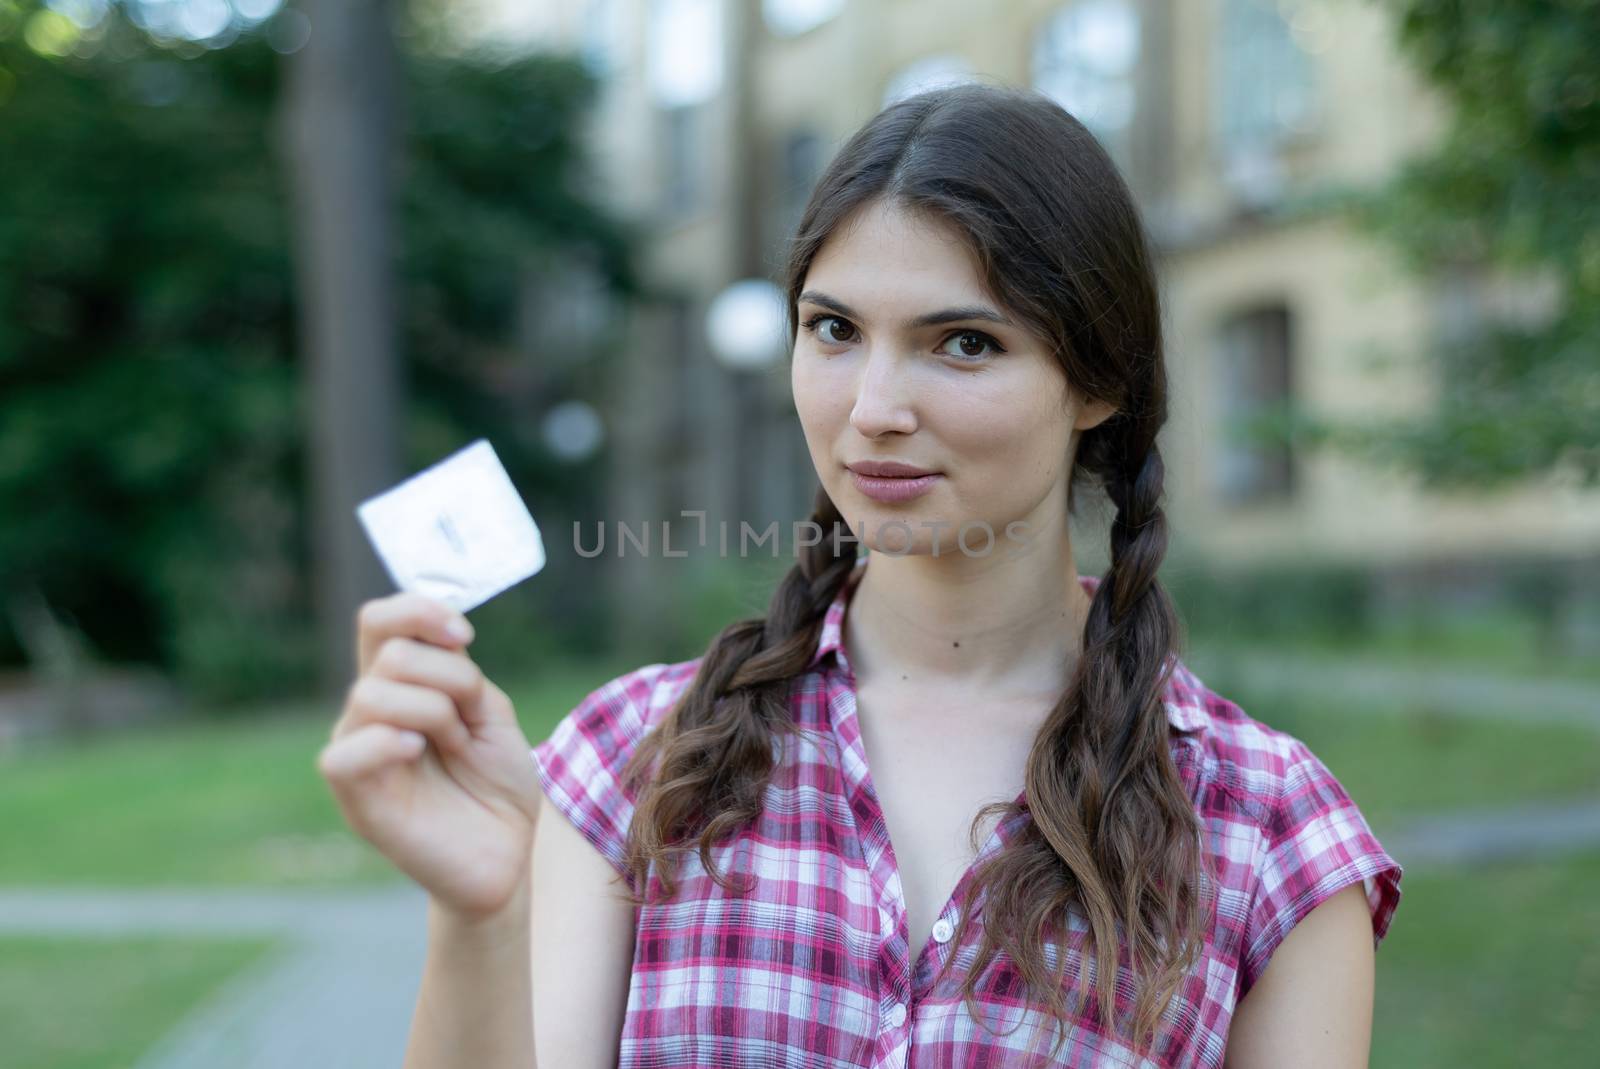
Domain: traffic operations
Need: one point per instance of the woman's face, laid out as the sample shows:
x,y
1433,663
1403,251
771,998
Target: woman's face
x,y
982,404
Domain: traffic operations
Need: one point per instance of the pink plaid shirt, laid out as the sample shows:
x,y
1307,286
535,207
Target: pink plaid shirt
x,y
812,967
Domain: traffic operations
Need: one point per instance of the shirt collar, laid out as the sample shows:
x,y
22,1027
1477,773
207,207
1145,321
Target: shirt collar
x,y
1185,694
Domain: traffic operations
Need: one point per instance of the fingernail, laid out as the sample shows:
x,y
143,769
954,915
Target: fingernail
x,y
460,629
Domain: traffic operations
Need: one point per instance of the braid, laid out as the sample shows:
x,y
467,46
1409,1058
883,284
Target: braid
x,y
1132,618
1113,834
794,617
702,774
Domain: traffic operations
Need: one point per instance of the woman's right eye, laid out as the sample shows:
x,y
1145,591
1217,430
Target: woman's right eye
x,y
826,333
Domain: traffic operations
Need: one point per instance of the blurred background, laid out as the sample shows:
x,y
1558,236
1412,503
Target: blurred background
x,y
262,260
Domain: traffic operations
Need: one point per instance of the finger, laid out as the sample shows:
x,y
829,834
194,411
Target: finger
x,y
450,671
494,707
367,750
377,700
411,615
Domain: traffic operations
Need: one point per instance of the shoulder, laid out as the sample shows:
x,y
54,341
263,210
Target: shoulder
x,y
580,764
611,718
644,694
1285,833
1261,768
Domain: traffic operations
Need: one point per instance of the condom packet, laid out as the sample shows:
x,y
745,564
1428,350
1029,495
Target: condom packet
x,y
457,531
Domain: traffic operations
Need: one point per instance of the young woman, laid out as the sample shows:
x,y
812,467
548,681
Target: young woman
x,y
949,803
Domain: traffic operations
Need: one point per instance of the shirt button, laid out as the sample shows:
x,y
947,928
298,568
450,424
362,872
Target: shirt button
x,y
943,930
897,1015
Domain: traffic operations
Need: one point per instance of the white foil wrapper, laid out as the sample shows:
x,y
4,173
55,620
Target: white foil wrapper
x,y
457,531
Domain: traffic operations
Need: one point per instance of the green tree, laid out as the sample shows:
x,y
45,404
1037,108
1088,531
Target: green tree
x,y
152,462
1510,192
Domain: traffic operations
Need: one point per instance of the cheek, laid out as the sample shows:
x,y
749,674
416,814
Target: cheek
x,y
1014,434
1011,416
820,400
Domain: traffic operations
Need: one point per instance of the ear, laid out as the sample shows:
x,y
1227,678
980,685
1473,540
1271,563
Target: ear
x,y
1092,414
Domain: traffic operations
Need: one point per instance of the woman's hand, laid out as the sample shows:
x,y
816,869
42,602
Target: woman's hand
x,y
427,760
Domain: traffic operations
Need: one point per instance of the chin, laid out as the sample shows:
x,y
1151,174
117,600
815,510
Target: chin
x,y
885,531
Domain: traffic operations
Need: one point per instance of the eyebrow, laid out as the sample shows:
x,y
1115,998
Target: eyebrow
x,y
929,319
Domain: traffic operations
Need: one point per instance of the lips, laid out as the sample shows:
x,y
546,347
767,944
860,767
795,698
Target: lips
x,y
888,469
890,481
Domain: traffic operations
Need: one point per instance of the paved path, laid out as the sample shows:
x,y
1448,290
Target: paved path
x,y
1464,837
1382,683
338,992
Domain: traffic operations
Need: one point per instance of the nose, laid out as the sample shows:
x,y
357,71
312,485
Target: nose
x,y
883,398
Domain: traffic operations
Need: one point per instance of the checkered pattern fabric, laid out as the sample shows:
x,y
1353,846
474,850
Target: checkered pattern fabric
x,y
811,968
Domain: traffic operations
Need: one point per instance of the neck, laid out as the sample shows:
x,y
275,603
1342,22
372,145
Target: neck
x,y
998,626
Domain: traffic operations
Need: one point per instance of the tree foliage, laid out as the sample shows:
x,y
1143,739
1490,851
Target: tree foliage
x,y
1507,195
152,451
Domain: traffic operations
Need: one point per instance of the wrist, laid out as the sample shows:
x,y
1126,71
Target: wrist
x,y
493,927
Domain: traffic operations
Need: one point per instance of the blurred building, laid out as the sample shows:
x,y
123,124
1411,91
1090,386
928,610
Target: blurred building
x,y
1225,115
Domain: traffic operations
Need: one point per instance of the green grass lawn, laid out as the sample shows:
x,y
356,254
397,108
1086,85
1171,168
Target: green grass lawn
x,y
91,1003
1397,765
1504,648
1494,965
237,802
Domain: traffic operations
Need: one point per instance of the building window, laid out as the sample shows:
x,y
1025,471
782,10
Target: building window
x,y
930,72
1263,93
686,51
602,41
1086,58
677,399
802,165
566,310
1254,363
681,160
788,18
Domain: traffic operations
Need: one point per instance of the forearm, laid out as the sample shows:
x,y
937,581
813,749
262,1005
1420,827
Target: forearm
x,y
475,1004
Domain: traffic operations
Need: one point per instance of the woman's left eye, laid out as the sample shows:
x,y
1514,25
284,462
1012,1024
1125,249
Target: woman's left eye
x,y
975,339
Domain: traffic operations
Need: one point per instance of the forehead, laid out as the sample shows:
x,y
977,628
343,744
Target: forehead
x,y
887,257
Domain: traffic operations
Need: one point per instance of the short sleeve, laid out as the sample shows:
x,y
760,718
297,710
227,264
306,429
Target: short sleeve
x,y
580,765
1316,844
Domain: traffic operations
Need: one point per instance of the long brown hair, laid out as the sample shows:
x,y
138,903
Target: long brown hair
x,y
1113,832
